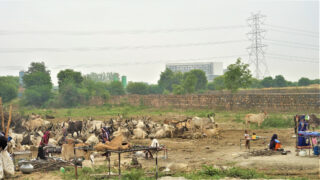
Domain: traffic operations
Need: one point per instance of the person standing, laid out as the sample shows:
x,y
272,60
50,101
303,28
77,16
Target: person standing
x,y
44,141
247,138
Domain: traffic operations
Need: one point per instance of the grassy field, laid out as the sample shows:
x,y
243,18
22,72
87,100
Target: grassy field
x,y
207,172
278,120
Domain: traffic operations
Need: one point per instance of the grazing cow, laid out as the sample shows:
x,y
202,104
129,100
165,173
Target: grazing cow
x,y
35,124
75,126
201,123
255,118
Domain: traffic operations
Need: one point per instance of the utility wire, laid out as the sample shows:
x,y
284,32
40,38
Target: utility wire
x,y
81,49
293,46
289,56
293,29
283,31
290,59
295,43
115,32
205,59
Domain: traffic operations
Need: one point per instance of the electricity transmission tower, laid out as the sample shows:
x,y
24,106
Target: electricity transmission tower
x,y
256,49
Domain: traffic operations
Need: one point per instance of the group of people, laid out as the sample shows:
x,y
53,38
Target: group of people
x,y
273,145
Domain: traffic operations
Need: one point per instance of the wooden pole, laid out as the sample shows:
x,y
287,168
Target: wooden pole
x,y
2,115
156,160
119,155
9,121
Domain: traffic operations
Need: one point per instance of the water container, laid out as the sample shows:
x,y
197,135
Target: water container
x,y
302,153
26,168
316,150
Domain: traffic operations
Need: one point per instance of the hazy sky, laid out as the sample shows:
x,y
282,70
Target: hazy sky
x,y
137,37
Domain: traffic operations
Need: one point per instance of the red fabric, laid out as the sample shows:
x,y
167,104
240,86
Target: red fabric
x,y
45,138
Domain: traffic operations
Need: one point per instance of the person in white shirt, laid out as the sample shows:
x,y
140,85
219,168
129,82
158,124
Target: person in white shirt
x,y
154,142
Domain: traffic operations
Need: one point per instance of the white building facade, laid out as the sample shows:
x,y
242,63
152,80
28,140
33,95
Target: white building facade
x,y
212,69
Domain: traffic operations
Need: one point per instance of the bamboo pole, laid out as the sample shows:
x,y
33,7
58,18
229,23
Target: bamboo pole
x,y
9,121
2,115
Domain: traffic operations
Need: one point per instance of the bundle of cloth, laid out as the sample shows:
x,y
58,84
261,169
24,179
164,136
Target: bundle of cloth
x,y
6,162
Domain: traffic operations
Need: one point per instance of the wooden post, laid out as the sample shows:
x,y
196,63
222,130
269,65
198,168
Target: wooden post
x,y
75,163
9,121
109,163
2,115
119,156
156,160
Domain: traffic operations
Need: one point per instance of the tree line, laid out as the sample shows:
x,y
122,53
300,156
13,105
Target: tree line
x,y
75,89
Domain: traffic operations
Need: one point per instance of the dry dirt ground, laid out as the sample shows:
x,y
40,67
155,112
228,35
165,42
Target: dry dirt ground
x,y
191,154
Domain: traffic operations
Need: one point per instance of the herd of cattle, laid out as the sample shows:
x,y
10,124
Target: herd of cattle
x,y
29,132
89,131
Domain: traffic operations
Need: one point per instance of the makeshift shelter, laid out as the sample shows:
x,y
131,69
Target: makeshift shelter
x,y
311,140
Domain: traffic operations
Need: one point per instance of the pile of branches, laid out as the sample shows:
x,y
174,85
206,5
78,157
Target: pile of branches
x,y
49,164
262,152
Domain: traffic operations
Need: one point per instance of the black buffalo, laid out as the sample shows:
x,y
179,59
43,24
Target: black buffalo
x,y
75,126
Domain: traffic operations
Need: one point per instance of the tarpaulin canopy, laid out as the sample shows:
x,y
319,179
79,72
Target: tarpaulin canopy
x,y
308,133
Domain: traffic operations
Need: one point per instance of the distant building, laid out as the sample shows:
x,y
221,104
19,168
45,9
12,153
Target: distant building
x,y
21,74
212,69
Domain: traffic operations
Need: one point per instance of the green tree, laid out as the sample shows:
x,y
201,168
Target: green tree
x,y
8,87
201,79
69,94
267,82
137,88
315,81
279,81
218,83
178,89
38,84
155,89
237,76
115,88
69,75
304,81
189,83
168,78
94,89
256,83
210,86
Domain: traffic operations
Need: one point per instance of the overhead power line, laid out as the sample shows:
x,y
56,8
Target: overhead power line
x,y
297,33
81,49
221,58
295,43
293,29
288,58
114,32
294,46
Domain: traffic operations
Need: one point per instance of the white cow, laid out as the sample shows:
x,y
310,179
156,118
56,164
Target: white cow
x,y
255,118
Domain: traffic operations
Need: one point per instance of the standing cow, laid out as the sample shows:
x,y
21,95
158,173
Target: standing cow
x,y
255,118
75,126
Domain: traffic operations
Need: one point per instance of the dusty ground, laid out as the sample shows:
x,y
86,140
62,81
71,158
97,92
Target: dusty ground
x,y
191,154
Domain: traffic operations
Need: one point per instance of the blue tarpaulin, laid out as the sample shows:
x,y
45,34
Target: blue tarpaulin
x,y
307,133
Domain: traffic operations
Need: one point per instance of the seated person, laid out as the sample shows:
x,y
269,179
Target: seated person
x,y
274,143
254,136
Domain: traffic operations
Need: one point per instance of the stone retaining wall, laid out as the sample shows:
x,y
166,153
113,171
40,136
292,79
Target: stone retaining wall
x,y
268,102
